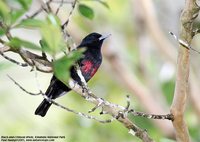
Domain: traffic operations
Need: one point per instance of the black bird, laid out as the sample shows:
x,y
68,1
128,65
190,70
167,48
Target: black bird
x,y
89,64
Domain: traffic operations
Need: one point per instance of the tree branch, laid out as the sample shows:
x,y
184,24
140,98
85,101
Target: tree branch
x,y
189,13
59,105
107,107
138,89
4,49
116,111
41,63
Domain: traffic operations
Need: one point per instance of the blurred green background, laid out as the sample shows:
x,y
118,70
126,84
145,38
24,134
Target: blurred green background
x,y
136,47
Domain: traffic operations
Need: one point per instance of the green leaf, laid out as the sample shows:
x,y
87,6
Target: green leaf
x,y
53,38
2,31
62,66
50,31
44,45
18,43
54,20
4,11
16,14
86,11
10,16
61,69
104,4
52,35
31,23
25,4
76,54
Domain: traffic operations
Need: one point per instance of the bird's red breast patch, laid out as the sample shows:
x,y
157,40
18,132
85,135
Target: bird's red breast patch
x,y
87,66
94,70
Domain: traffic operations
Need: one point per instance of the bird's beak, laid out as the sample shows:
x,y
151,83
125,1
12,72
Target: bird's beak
x,y
104,36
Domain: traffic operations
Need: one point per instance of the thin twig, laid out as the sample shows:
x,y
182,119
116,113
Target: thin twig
x,y
60,5
151,116
35,13
96,107
183,43
70,14
82,114
22,88
13,61
47,4
142,114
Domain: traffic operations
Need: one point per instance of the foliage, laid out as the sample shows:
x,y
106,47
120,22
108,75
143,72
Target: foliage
x,y
90,16
16,43
52,40
62,65
86,11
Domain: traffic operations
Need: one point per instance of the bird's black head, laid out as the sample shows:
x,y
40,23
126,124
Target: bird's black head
x,y
93,40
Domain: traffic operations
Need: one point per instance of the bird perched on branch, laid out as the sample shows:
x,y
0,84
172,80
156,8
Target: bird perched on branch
x,y
89,64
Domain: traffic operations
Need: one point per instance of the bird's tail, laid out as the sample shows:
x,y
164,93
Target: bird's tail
x,y
55,90
43,108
